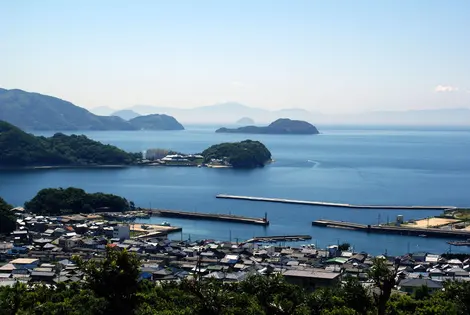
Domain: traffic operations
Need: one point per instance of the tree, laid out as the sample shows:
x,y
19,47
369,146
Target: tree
x,y
385,279
344,246
7,219
115,279
356,296
460,293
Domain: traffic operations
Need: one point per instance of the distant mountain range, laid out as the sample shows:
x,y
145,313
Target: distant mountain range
x,y
34,111
227,113
245,121
125,114
222,113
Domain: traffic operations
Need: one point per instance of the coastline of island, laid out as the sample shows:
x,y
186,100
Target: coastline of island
x,y
77,151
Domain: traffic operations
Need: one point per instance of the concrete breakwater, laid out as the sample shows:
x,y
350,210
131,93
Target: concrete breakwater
x,y
333,204
279,238
210,216
388,229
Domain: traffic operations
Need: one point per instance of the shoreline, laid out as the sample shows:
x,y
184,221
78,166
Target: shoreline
x,y
54,167
58,167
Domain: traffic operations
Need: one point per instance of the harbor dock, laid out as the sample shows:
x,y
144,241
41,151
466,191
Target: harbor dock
x,y
283,238
333,204
153,230
211,216
389,229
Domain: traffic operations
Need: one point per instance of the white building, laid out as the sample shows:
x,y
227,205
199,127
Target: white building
x,y
122,232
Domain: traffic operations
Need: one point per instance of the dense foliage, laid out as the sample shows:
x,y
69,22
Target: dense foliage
x,y
52,201
156,122
245,154
33,111
7,219
18,148
112,286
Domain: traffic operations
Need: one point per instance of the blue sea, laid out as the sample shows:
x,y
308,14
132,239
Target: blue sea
x,y
357,165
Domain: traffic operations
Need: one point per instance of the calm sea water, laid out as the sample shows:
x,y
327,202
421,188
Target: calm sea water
x,y
387,166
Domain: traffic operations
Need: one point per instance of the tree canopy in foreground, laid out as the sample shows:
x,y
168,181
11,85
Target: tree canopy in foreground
x,y
112,286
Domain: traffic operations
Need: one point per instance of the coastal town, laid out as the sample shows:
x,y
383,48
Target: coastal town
x,y
43,249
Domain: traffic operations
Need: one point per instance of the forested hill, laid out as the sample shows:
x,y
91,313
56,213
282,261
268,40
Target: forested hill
x,y
20,149
34,111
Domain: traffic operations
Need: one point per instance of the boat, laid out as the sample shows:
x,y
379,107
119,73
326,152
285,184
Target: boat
x,y
459,243
165,223
422,235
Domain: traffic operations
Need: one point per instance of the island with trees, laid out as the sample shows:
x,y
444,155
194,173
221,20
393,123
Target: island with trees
x,y
21,149
282,126
156,122
60,201
244,154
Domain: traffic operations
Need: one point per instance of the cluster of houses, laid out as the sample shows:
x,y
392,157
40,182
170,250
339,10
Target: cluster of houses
x,y
163,157
42,248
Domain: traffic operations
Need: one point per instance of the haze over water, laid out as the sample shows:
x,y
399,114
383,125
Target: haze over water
x,y
386,166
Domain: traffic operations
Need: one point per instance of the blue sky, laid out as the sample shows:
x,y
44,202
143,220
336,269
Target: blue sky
x,y
328,56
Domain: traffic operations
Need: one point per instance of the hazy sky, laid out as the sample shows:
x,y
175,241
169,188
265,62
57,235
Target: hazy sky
x,y
330,56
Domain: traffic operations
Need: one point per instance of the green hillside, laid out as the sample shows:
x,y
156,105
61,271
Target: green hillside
x,y
20,149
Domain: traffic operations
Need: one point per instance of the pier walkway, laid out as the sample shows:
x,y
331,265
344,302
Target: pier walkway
x,y
333,204
282,238
389,229
210,216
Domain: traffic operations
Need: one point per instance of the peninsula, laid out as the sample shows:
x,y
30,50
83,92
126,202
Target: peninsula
x,y
21,149
34,111
282,126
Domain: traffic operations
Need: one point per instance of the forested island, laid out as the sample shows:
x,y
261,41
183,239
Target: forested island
x,y
283,126
59,201
21,149
244,154
156,122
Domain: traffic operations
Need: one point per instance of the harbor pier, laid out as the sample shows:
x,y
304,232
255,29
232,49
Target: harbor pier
x,y
280,238
211,216
333,204
389,229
